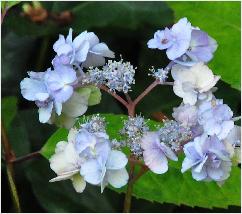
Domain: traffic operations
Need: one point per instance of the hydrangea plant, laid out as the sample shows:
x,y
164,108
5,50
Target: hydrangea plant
x,y
202,127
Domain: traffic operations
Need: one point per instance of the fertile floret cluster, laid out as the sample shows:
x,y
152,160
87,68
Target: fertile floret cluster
x,y
159,74
174,134
133,130
117,75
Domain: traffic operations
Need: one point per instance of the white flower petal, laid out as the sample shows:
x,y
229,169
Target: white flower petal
x,y
64,176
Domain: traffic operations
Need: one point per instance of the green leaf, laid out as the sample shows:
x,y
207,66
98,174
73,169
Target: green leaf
x,y
8,110
217,20
181,189
114,125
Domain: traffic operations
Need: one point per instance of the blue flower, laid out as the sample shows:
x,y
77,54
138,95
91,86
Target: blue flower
x,y
176,40
207,158
85,49
216,118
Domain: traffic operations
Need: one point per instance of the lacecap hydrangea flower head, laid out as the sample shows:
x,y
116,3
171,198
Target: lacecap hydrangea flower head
x,y
202,126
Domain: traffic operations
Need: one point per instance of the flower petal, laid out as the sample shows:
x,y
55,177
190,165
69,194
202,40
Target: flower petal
x,y
92,172
78,183
45,113
117,178
116,160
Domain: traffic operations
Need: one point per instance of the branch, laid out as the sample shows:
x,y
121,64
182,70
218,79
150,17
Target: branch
x,y
117,97
9,155
146,91
26,157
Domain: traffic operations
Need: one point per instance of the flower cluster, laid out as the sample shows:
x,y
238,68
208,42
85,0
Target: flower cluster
x,y
202,126
117,75
133,130
184,44
55,91
203,123
87,156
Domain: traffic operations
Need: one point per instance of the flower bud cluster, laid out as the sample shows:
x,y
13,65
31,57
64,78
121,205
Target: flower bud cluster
x,y
174,134
133,130
95,124
117,75
159,74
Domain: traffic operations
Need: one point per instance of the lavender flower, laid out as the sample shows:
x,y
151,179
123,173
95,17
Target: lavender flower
x,y
156,153
176,40
186,114
216,118
208,159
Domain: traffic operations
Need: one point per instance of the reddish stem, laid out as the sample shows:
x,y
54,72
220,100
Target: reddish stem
x,y
146,91
117,97
26,157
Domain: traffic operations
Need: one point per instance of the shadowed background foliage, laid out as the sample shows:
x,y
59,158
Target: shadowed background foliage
x,y
27,39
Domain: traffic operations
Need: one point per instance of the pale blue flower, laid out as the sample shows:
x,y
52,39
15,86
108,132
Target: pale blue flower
x,y
60,82
207,158
201,49
100,165
49,89
85,49
35,89
216,118
156,153
176,40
